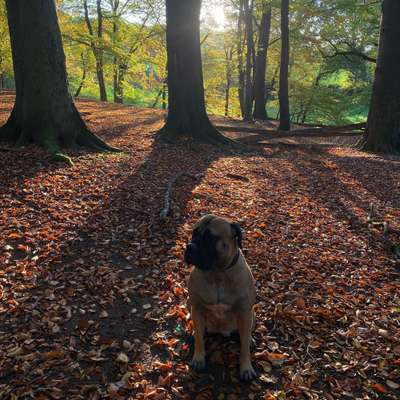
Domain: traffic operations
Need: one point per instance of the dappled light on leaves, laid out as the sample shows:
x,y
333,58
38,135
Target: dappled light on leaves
x,y
92,282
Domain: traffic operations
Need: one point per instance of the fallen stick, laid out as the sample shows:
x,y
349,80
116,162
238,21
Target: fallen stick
x,y
168,194
257,138
346,130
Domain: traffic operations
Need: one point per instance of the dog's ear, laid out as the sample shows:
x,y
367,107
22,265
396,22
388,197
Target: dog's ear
x,y
237,233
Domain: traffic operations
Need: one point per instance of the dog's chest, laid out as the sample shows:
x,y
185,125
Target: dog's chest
x,y
218,299
219,311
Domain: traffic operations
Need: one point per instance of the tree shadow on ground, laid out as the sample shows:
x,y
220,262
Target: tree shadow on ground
x,y
112,265
122,258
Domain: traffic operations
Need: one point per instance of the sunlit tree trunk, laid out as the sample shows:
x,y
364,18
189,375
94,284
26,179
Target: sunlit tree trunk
x,y
284,113
383,127
187,116
44,112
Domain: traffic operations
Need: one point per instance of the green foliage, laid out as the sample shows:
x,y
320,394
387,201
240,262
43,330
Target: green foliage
x,y
6,69
331,41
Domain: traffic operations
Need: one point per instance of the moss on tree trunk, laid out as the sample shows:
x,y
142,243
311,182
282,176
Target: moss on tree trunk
x,y
44,112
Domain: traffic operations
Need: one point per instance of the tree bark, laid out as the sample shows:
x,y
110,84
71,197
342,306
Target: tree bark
x,y
241,71
284,113
44,112
228,60
187,116
78,90
97,51
260,111
248,95
383,127
116,86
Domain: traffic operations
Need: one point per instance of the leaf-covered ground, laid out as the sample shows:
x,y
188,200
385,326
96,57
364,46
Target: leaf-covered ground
x,y
92,283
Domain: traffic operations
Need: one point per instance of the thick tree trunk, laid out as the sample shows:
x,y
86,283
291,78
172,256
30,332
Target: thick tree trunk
x,y
260,111
382,134
240,57
248,95
44,112
187,116
284,113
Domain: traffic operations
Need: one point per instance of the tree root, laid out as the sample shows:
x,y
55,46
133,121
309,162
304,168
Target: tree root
x,y
91,141
210,135
49,141
63,158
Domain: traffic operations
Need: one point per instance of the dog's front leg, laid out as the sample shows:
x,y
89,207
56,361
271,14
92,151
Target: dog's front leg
x,y
199,357
245,322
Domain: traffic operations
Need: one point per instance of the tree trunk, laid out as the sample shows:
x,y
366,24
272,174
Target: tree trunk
x,y
115,58
261,65
311,100
382,134
99,63
44,112
97,52
248,95
164,96
187,116
228,59
240,57
284,113
118,87
78,91
271,87
2,81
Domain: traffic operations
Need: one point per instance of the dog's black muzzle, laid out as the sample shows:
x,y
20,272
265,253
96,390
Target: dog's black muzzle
x,y
195,255
192,253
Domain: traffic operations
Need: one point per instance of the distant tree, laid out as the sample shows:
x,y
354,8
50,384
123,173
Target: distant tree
x,y
383,126
284,113
241,70
228,74
5,53
95,38
249,84
261,63
187,114
44,112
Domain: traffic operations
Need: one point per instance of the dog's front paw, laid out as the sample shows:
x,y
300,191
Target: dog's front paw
x,y
247,372
198,362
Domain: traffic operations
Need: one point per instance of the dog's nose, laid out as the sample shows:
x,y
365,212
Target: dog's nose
x,y
190,253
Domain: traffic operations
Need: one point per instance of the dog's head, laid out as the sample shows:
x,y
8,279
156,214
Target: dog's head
x,y
215,243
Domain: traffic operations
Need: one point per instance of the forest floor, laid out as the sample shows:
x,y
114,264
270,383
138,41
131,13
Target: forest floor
x,y
92,282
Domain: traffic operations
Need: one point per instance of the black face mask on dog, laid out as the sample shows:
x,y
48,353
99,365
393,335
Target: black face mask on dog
x,y
201,250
